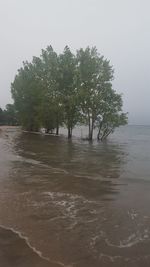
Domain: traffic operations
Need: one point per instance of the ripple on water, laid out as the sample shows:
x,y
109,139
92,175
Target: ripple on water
x,y
17,251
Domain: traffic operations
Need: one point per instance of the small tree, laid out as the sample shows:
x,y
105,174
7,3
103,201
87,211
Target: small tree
x,y
27,97
94,76
1,117
52,112
68,90
109,123
10,115
110,114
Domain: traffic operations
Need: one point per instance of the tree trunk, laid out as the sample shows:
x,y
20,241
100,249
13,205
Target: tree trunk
x,y
91,135
69,133
57,125
107,134
31,128
98,135
57,130
99,130
91,128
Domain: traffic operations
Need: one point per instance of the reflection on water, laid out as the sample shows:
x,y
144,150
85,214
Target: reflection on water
x,y
74,203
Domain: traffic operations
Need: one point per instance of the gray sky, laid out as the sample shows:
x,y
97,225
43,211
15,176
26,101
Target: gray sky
x,y
120,29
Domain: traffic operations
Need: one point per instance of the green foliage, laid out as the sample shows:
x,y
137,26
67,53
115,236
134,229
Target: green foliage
x,y
9,116
50,107
67,89
94,76
1,117
110,115
27,93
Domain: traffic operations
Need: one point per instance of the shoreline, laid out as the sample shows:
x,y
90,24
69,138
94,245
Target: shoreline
x,y
41,133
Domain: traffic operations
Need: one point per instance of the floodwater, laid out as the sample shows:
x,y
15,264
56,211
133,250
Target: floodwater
x,y
75,203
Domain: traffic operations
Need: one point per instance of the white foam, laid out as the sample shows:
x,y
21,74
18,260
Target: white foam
x,y
111,258
133,214
132,240
37,252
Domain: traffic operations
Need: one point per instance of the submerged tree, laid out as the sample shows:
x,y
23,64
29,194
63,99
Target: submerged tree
x,y
67,89
1,117
109,123
110,115
26,92
51,106
95,75
9,115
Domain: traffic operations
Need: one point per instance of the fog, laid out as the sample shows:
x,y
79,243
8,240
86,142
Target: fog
x,y
119,30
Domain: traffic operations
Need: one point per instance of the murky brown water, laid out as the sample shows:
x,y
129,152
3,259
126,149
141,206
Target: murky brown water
x,y
74,203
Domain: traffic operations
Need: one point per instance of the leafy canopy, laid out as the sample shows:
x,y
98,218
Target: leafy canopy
x,y
68,89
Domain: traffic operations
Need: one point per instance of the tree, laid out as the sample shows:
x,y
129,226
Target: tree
x,y
68,90
110,114
10,116
109,123
94,76
52,112
1,117
27,97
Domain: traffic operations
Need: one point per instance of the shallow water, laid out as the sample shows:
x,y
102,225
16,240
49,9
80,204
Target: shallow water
x,y
75,203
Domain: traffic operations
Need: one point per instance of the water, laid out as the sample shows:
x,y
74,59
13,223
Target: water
x,y
75,203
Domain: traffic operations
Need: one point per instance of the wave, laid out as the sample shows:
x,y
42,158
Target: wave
x,y
34,250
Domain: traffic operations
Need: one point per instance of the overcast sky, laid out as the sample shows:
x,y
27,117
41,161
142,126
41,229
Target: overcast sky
x,y
120,29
